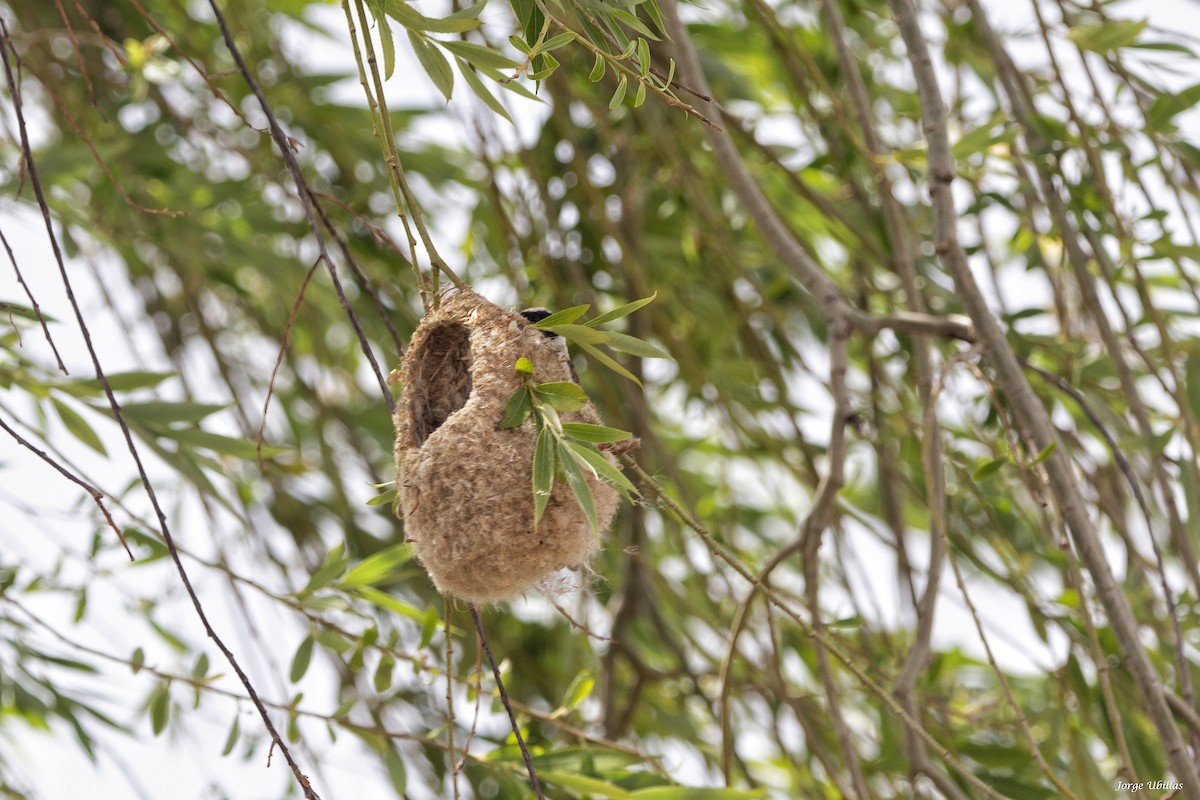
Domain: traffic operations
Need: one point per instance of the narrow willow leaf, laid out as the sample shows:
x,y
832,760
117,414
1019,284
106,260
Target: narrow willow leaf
x,y
596,434
633,22
470,12
609,362
597,69
639,96
583,785
301,659
127,381
670,73
1192,383
579,486
655,14
160,707
414,20
643,50
564,396
78,426
550,418
636,347
620,311
561,40
517,410
383,499
428,627
619,94
435,64
516,87
603,469
579,689
543,472
1104,37
383,673
989,469
137,660
564,317
231,739
218,443
520,44
157,412
374,568
579,334
480,90
1047,451
696,793
385,38
479,55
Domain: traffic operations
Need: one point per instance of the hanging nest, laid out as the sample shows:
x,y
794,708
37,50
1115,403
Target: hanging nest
x,y
465,488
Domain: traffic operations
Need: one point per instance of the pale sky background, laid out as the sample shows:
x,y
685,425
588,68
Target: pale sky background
x,y
177,765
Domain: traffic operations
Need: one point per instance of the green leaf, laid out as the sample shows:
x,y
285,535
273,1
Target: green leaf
x,y
564,317
643,51
524,366
376,567
625,343
564,396
157,412
480,90
619,94
620,311
989,469
128,381
428,627
301,659
200,668
384,498
633,22
1192,383
77,426
412,19
596,434
479,55
655,14
579,334
218,443
602,468
517,410
435,64
608,361
579,690
695,793
330,570
385,38
543,471
383,673
160,707
561,40
639,97
1047,451
597,72
586,786
232,738
137,660
1104,37
579,486
1168,105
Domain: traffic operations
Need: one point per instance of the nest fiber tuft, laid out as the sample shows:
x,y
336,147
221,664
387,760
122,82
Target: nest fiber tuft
x,y
465,488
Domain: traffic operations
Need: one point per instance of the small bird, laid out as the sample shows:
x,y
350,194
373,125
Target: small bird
x,y
537,314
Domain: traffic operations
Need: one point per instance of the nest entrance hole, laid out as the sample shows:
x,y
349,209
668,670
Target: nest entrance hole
x,y
443,379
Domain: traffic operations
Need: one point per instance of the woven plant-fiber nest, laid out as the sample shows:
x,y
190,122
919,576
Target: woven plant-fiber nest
x,y
465,487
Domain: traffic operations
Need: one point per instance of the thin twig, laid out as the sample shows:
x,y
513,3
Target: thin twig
x,y
512,718
31,166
